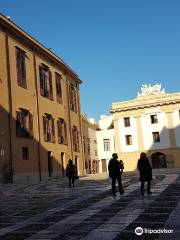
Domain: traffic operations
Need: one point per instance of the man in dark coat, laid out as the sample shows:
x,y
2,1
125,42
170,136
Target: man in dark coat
x,y
115,168
145,170
71,172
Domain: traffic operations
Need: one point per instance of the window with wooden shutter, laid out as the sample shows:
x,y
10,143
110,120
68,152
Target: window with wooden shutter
x,y
45,128
50,86
62,134
58,88
24,124
48,127
73,98
21,67
46,87
75,138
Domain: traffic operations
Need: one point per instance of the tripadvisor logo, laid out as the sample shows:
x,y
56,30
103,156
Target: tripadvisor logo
x,y
139,231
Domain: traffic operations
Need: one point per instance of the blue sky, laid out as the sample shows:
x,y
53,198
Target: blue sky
x,y
114,46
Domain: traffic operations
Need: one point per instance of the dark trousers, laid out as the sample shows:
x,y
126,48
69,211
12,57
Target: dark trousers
x,y
71,180
148,186
114,184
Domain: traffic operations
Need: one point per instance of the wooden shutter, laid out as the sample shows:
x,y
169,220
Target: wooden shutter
x,y
58,131
23,69
50,86
18,67
45,128
31,124
53,130
65,133
41,77
18,125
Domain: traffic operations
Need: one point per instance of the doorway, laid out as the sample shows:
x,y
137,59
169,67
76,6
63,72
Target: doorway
x,y
158,160
104,165
50,164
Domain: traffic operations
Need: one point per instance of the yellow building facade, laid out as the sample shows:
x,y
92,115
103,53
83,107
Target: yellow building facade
x,y
149,123
40,121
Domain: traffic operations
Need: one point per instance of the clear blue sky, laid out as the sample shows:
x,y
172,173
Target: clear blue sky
x,y
114,46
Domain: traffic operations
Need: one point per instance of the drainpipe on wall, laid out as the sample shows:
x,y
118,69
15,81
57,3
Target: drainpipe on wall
x,y
37,104
9,169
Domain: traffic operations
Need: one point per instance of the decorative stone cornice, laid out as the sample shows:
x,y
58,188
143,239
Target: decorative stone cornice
x,y
146,102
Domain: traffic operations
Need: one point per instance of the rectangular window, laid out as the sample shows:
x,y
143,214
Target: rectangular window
x,y
128,139
73,98
127,122
25,153
156,137
45,82
61,129
75,138
58,88
48,126
21,67
106,144
154,119
24,124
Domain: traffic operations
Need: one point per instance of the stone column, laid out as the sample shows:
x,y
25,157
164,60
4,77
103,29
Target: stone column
x,y
172,139
139,133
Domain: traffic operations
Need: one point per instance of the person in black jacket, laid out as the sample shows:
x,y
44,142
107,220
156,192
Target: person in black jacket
x,y
145,170
71,172
115,168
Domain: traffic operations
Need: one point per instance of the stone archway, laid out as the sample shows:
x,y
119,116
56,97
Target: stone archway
x,y
158,160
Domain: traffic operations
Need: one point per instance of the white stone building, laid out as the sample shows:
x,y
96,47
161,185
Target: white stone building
x,y
105,141
149,123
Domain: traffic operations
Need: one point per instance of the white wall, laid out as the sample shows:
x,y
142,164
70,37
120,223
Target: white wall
x,y
176,124
105,122
132,130
161,127
105,134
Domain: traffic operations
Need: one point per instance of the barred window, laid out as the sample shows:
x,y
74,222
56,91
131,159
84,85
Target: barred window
x,y
45,82
62,132
24,123
48,127
21,67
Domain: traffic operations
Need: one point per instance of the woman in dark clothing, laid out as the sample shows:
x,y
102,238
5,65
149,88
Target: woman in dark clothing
x,y
145,170
71,172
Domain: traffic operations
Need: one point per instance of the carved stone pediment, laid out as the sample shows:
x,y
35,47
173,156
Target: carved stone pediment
x,y
148,90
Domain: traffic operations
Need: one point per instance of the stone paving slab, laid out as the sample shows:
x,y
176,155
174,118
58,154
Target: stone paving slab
x,y
51,210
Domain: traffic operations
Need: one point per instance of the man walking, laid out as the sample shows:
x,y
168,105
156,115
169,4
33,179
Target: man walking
x,y
145,171
115,168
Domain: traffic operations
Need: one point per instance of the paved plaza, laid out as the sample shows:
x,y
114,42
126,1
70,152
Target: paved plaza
x,y
52,210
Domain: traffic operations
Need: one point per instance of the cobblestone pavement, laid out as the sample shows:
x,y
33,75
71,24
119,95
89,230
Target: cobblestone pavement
x,y
52,210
